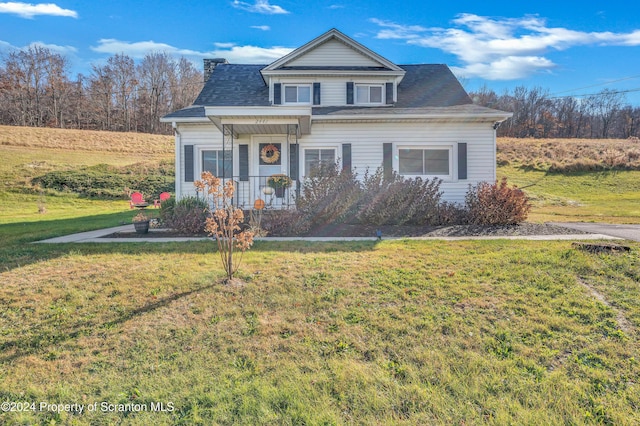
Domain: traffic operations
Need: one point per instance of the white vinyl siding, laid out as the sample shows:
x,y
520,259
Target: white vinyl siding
x,y
334,53
366,141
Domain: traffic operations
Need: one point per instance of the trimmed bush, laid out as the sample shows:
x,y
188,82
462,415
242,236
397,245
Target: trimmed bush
x,y
188,215
329,195
399,201
496,204
284,223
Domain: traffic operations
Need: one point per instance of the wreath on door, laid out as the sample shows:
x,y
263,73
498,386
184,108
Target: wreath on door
x,y
270,154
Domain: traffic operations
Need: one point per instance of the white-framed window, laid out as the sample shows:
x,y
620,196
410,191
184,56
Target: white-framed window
x,y
369,94
423,161
218,162
297,93
314,158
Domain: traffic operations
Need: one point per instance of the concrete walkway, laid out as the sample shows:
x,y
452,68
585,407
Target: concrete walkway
x,y
627,232
98,237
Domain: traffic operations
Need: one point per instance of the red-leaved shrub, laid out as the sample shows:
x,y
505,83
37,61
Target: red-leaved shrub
x,y
496,204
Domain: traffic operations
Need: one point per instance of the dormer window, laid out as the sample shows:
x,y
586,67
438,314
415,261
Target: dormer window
x,y
297,94
369,94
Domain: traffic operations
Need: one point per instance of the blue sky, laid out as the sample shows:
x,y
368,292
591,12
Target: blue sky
x,y
568,47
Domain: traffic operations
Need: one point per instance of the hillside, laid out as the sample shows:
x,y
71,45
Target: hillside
x,y
86,140
570,155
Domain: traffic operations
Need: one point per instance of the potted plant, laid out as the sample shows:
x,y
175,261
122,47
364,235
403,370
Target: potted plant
x,y
279,183
141,223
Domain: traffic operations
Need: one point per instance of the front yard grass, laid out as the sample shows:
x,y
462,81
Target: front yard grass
x,y
396,332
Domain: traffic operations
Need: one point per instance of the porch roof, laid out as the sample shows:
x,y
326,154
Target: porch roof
x,y
261,120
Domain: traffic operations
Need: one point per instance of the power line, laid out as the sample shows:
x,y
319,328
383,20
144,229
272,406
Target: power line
x,y
598,84
613,92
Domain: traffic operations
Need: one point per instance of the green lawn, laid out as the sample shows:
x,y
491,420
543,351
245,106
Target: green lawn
x,y
396,332
612,197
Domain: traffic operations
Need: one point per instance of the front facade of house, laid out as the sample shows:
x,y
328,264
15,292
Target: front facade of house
x,y
332,100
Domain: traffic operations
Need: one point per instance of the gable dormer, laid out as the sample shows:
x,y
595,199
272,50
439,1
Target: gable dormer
x,y
360,75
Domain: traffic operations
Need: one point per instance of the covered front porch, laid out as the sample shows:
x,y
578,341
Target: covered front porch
x,y
260,153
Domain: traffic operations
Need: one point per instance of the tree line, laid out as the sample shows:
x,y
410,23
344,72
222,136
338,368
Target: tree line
x,y
536,114
36,90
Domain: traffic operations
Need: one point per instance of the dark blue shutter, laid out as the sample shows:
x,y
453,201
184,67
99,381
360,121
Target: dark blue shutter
x,y
387,161
346,157
349,93
389,89
243,162
316,93
188,163
293,161
462,160
277,94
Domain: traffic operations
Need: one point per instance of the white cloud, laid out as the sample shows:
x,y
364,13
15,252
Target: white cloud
x,y
261,27
28,10
501,48
62,50
230,51
260,6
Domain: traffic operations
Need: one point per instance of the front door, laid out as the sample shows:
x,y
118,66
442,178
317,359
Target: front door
x,y
270,157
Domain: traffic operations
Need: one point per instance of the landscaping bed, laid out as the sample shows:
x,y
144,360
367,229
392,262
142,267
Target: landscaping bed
x,y
357,230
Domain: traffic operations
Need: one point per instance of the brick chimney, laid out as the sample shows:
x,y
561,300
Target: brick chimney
x,y
210,65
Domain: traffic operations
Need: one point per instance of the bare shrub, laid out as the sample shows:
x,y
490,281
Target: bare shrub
x,y
224,220
399,201
284,223
329,195
496,204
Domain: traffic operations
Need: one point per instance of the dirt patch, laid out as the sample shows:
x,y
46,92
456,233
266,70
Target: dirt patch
x,y
622,321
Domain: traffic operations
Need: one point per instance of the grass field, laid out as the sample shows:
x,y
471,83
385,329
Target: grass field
x,y
575,180
391,332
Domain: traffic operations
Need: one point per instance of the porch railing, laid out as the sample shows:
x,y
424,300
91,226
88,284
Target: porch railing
x,y
249,189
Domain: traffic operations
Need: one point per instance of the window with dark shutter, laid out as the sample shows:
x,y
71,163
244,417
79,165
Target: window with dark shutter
x,y
243,162
293,161
346,157
349,93
389,93
462,160
188,163
316,93
387,160
277,94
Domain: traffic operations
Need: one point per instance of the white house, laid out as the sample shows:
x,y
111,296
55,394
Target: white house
x,y
332,100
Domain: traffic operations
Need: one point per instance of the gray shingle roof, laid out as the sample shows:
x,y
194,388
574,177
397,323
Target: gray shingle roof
x,y
427,85
430,85
235,85
195,111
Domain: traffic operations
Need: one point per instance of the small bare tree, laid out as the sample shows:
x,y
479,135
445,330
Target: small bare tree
x,y
223,221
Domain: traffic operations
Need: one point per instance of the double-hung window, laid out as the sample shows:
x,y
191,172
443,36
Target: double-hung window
x,y
297,94
369,94
314,159
218,163
425,161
